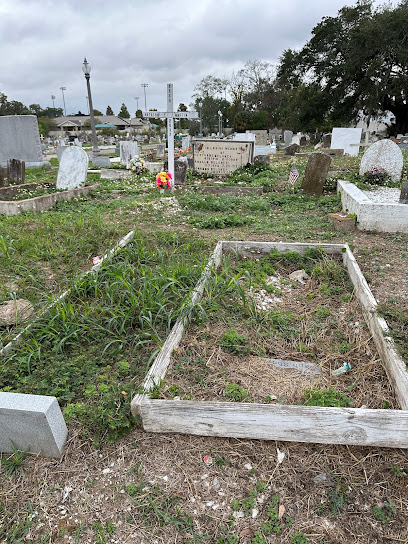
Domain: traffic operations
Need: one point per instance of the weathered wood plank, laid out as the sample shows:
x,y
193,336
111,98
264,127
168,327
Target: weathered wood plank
x,y
393,364
108,255
160,365
360,427
251,247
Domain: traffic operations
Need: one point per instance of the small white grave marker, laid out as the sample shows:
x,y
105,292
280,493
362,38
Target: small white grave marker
x,y
170,115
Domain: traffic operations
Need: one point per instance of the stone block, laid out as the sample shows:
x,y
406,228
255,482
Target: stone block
x,y
100,162
327,138
128,150
404,193
20,139
155,167
15,171
32,422
263,158
342,222
292,149
111,173
332,152
316,172
287,137
180,171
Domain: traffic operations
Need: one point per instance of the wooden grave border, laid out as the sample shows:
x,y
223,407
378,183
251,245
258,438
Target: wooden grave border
x,y
353,426
123,242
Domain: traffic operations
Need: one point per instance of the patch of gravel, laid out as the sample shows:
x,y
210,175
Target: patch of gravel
x,y
384,195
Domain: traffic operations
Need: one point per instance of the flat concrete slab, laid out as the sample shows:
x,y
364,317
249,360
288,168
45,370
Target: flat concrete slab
x,y
32,422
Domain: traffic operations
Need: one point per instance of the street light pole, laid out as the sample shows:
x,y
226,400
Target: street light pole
x,y
53,104
144,85
62,89
137,102
87,71
200,105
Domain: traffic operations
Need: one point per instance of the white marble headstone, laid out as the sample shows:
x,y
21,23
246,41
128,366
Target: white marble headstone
x,y
185,143
128,150
387,155
296,139
73,168
243,137
348,139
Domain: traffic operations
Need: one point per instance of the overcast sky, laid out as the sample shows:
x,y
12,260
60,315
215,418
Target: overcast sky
x,y
130,42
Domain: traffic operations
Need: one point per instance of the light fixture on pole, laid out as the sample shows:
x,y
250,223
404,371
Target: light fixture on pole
x,y
53,98
144,85
62,89
137,102
200,106
87,71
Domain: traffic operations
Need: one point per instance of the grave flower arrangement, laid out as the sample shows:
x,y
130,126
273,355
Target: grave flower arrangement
x,y
163,180
376,176
137,165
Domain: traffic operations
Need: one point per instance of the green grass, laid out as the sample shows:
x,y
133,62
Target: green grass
x,y
92,349
15,462
397,321
327,397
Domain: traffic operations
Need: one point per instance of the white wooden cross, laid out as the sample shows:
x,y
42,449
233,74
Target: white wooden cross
x,y
170,115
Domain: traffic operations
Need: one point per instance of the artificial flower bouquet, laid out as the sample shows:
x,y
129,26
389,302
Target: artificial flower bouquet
x,y
137,165
163,181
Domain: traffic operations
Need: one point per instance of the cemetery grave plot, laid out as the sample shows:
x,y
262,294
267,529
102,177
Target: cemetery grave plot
x,y
111,320
254,320
27,190
255,314
38,196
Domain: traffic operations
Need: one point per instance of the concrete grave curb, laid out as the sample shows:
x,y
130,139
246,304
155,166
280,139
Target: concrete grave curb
x,y
372,215
39,203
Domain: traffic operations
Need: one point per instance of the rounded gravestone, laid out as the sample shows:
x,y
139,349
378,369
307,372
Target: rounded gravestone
x,y
73,168
386,155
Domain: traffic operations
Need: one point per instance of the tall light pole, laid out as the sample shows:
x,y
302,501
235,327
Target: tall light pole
x,y
200,105
62,89
144,85
53,104
87,71
137,102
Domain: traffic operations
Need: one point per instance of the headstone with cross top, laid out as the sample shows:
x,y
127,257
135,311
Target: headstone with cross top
x,y
170,115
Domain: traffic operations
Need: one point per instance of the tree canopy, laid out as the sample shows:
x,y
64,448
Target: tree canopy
x,y
124,113
354,63
109,111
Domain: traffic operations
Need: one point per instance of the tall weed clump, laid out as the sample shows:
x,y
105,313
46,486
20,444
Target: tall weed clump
x,y
92,349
